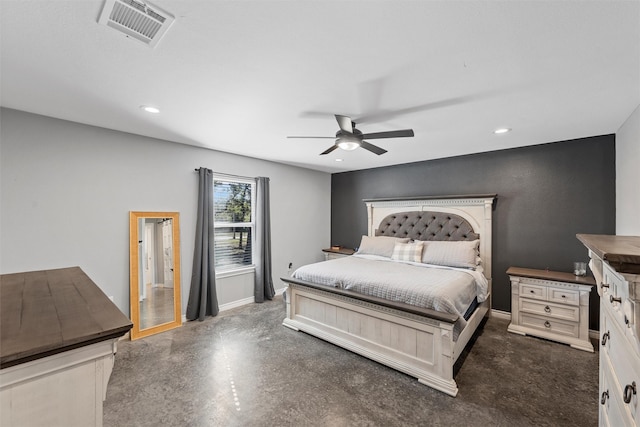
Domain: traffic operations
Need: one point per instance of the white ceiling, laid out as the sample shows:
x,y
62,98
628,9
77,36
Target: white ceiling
x,y
239,76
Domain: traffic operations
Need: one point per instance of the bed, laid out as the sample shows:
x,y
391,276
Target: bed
x,y
351,302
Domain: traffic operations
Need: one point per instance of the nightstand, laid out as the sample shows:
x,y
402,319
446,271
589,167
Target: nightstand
x,y
337,252
552,305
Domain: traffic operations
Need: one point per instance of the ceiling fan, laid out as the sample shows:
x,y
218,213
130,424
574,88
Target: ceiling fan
x,y
349,138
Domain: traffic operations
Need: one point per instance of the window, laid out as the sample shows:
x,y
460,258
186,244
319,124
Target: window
x,y
233,222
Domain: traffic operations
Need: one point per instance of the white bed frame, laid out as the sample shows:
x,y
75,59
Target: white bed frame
x,y
418,342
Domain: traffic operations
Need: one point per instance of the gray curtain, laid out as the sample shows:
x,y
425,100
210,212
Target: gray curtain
x,y
203,300
264,282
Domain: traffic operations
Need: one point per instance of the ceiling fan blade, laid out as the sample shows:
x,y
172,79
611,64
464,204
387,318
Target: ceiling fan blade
x,y
328,150
382,115
373,148
313,137
391,134
345,123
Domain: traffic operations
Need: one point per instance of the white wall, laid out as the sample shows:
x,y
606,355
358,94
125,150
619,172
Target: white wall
x,y
628,176
67,189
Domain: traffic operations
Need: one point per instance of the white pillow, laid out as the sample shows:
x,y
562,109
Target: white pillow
x,y
407,252
453,254
379,245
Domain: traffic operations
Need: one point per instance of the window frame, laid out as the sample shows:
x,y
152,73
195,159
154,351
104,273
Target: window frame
x,y
222,272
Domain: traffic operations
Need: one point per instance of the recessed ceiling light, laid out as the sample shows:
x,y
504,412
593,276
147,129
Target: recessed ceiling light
x,y
338,160
149,109
501,130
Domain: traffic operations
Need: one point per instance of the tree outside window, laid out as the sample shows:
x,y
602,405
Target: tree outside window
x,y
233,223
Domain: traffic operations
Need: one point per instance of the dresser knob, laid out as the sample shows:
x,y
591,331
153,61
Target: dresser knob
x,y
605,337
613,299
629,391
604,285
564,296
547,324
605,396
547,309
532,291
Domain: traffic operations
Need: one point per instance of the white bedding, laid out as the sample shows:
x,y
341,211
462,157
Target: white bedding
x,y
440,288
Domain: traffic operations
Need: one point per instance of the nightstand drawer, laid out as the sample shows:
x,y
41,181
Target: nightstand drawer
x,y
551,310
533,291
564,296
554,326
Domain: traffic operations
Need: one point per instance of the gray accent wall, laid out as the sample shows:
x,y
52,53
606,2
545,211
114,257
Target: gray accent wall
x,y
546,194
67,189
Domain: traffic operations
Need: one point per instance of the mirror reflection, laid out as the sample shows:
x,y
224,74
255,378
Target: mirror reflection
x,y
155,278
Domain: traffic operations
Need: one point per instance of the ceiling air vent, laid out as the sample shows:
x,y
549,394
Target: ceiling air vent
x,y
139,20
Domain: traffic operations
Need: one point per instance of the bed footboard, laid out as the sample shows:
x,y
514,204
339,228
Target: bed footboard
x,y
414,341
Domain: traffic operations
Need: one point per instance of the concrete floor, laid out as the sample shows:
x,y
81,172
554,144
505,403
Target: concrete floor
x,y
243,368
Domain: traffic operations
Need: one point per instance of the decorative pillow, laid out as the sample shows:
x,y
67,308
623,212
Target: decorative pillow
x,y
453,254
379,245
407,252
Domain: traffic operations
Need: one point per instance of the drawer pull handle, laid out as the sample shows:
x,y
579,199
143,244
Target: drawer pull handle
x,y
605,337
532,291
547,324
605,396
564,296
613,299
629,391
547,309
626,321
604,285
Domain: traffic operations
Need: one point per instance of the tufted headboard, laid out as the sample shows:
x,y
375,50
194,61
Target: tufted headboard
x,y
456,218
426,225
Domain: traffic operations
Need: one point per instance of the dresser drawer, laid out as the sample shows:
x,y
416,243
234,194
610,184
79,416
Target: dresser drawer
x,y
550,310
618,352
564,296
533,291
618,287
617,301
555,326
612,408
622,313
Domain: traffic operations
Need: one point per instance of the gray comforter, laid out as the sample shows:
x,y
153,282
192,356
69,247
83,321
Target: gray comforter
x,y
445,289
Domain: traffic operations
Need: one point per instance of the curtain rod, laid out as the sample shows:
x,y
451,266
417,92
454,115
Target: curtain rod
x,y
228,175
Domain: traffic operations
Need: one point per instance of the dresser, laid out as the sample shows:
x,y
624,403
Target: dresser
x,y
615,262
552,305
57,346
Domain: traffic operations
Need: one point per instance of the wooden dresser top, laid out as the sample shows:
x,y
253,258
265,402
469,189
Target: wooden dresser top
x,y
50,311
621,252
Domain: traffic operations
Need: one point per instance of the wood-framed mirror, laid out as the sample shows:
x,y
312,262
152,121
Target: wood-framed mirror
x,y
154,272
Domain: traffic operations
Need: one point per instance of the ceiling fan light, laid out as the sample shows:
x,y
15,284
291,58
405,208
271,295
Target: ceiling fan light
x,y
150,109
348,143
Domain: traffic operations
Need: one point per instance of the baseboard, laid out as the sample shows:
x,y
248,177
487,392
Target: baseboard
x,y
238,303
500,314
